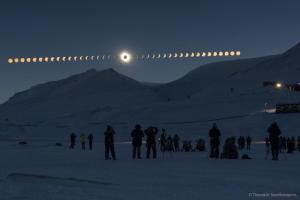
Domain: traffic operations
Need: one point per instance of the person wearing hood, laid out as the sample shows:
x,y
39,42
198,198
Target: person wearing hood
x,y
109,143
274,133
137,139
82,140
214,135
151,133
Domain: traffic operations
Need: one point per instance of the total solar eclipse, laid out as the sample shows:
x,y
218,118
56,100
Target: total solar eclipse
x,y
124,57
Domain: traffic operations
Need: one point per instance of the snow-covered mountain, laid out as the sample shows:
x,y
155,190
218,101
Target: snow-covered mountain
x,y
89,91
223,90
240,74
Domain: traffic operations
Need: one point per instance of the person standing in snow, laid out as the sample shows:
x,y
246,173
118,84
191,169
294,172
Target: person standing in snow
x,y
151,133
91,138
289,146
214,135
72,140
249,141
281,144
82,140
243,140
163,140
109,143
284,143
137,138
240,142
170,144
176,140
274,133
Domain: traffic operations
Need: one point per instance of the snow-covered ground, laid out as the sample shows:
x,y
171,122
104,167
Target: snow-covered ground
x,y
41,170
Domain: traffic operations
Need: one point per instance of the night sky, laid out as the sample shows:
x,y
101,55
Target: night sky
x,y
57,28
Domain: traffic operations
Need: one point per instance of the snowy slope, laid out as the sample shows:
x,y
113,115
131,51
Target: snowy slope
x,y
92,91
244,74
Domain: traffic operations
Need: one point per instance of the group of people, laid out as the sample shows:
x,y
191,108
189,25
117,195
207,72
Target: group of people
x,y
168,143
230,150
83,139
187,145
279,143
288,145
244,142
274,141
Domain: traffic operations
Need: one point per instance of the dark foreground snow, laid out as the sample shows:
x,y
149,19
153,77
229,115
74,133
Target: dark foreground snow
x,y
42,171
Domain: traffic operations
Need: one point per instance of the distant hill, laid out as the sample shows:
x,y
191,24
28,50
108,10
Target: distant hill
x,y
88,91
239,74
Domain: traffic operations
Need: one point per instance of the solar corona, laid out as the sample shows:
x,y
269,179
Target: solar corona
x,y
125,57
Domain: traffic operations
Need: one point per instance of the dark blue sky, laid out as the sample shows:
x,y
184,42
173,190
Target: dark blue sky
x,y
46,28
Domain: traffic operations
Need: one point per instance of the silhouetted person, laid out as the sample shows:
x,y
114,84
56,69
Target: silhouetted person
x,y
109,143
170,144
284,143
151,140
230,149
249,141
91,138
72,140
243,142
176,140
82,140
137,138
274,133
214,135
240,142
281,144
163,141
